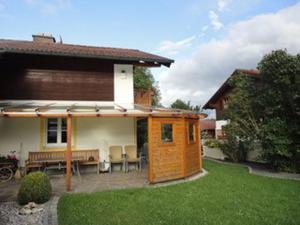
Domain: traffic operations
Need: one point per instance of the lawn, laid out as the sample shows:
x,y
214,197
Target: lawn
x,y
227,195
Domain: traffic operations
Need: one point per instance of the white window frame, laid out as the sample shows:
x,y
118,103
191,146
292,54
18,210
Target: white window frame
x,y
59,142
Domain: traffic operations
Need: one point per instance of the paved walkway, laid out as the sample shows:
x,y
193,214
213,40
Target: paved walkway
x,y
90,182
263,171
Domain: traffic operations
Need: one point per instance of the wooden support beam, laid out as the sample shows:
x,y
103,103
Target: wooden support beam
x,y
150,151
69,153
184,149
198,141
32,115
96,114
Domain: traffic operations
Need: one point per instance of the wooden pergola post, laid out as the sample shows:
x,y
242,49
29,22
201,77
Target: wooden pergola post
x,y
199,146
69,153
150,162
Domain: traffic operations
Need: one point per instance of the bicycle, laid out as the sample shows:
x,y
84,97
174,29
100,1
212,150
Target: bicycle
x,y
6,171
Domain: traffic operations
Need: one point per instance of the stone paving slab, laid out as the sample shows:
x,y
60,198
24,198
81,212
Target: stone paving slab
x,y
90,182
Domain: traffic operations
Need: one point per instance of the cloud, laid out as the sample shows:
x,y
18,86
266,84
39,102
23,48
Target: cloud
x,y
222,5
214,20
49,7
198,76
172,48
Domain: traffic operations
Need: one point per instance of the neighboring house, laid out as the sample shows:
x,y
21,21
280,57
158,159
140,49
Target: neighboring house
x,y
219,101
62,97
208,128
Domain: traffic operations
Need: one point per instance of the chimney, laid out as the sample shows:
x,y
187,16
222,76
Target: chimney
x,y
43,38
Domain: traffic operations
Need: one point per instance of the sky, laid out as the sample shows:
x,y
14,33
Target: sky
x,y
208,39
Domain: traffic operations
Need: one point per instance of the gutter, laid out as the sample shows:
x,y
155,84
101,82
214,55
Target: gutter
x,y
166,62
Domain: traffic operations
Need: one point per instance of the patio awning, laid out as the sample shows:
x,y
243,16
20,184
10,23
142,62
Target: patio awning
x,y
87,109
47,109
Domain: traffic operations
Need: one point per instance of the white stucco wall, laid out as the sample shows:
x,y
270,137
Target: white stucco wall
x,y
123,85
23,135
101,133
214,153
220,123
19,134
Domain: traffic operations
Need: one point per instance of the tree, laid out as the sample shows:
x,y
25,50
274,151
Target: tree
x,y
243,130
267,111
143,79
279,101
180,104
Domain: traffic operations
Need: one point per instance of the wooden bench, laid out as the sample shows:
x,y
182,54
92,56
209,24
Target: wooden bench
x,y
85,157
90,157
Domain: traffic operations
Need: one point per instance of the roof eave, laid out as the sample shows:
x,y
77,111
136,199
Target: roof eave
x,y
166,62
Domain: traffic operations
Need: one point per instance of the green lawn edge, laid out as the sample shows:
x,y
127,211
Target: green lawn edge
x,y
228,194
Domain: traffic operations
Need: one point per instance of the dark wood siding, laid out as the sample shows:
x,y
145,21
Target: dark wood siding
x,y
52,79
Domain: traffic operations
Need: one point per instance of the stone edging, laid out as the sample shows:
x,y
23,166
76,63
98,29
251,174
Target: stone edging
x,y
52,211
183,180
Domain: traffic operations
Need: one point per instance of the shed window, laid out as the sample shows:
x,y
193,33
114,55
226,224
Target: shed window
x,y
167,132
191,132
56,131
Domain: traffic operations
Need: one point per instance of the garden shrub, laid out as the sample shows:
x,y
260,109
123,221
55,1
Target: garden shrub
x,y
35,187
212,143
234,147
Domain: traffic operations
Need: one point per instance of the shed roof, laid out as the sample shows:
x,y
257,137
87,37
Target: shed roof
x,y
59,49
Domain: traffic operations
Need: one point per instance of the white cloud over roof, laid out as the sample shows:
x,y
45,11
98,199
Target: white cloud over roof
x,y
198,76
173,47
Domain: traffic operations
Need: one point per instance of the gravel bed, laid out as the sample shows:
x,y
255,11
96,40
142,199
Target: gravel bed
x,y
9,215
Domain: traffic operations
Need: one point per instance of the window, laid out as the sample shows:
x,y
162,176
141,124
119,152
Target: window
x,y
225,103
167,132
191,132
56,131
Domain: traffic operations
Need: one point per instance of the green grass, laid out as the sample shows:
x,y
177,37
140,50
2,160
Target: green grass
x,y
227,195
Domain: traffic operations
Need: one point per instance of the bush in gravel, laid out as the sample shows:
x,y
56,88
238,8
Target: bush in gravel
x,y
35,187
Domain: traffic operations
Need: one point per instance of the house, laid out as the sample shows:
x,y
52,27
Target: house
x,y
61,97
219,101
208,128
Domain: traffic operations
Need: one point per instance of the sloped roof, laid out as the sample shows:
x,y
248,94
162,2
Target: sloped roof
x,y
225,86
59,49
